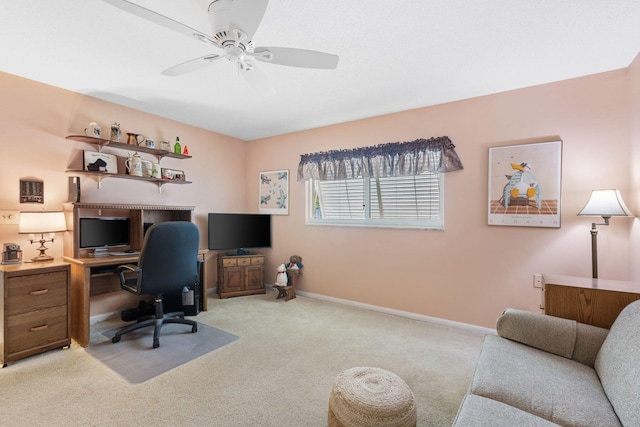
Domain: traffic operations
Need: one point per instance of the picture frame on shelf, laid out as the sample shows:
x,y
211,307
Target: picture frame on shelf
x,y
100,162
524,185
274,192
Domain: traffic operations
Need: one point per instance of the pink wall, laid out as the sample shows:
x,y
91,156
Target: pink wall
x,y
470,272
634,119
34,120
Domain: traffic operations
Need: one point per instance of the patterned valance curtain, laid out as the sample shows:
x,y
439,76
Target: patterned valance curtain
x,y
384,160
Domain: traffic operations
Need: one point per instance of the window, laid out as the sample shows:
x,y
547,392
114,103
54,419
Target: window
x,y
394,185
413,201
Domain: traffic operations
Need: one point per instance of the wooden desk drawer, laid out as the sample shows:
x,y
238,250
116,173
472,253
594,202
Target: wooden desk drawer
x,y
29,330
36,291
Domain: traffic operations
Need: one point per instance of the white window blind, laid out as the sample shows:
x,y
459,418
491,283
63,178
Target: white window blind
x,y
414,201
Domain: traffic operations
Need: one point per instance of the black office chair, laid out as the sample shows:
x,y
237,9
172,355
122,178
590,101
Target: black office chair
x,y
168,261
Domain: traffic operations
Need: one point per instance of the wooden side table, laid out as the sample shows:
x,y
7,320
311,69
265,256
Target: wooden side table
x,y
596,302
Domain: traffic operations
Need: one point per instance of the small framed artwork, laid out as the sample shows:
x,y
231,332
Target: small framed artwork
x,y
31,190
172,174
274,192
524,185
100,162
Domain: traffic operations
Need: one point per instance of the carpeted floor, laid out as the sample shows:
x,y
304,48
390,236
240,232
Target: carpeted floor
x,y
278,373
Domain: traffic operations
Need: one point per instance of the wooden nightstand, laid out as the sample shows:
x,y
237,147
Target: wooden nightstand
x,y
34,309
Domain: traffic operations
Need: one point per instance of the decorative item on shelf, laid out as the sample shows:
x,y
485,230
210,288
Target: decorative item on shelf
x,y
185,151
11,254
40,223
134,165
135,139
177,148
115,132
164,145
147,168
604,203
173,174
100,162
155,170
150,143
93,130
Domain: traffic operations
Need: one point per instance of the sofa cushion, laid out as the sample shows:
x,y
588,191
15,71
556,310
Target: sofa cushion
x,y
557,389
478,411
618,365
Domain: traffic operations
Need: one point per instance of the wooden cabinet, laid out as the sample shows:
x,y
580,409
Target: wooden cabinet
x,y
593,301
240,275
35,309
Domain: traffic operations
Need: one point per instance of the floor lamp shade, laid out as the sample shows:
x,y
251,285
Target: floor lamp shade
x,y
604,203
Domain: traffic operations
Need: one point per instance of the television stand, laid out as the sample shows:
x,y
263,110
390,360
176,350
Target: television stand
x,y
240,275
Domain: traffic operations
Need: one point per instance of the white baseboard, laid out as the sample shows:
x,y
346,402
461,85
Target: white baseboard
x,y
414,316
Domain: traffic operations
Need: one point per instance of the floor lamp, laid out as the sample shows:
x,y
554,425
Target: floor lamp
x,y
604,203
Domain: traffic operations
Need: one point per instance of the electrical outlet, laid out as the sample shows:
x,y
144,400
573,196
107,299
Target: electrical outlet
x,y
537,280
9,217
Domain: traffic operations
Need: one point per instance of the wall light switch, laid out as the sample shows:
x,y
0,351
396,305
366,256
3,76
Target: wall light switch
x,y
9,217
537,280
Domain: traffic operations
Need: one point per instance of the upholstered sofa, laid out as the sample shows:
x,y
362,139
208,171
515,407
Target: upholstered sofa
x,y
546,371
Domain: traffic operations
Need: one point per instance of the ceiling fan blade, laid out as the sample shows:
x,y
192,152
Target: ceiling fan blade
x,y
258,81
246,15
159,19
191,65
295,57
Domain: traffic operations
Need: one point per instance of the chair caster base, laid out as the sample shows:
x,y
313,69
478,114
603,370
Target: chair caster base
x,y
115,339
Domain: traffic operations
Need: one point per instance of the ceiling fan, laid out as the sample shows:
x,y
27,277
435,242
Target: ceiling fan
x,y
234,23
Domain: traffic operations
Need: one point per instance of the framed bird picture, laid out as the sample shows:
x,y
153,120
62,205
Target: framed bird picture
x,y
524,184
274,192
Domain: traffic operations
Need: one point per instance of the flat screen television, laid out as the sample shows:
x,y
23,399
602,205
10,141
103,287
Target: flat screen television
x,y
104,232
239,231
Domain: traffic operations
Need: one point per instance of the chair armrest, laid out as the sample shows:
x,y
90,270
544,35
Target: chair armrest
x,y
564,337
131,284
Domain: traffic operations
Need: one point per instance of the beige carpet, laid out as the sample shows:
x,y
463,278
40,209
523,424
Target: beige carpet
x,y
279,373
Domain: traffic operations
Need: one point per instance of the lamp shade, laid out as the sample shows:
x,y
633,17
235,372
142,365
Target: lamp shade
x,y
41,222
605,203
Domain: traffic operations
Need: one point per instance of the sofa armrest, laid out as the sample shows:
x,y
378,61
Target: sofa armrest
x,y
566,338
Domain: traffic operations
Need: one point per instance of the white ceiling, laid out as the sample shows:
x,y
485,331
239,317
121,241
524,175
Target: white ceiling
x,y
395,55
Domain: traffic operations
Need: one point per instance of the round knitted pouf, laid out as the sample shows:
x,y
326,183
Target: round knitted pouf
x,y
371,397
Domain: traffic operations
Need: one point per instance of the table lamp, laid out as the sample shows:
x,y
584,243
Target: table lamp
x,y
40,223
604,203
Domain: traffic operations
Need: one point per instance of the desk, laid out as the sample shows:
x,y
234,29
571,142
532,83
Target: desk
x,y
593,301
95,276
